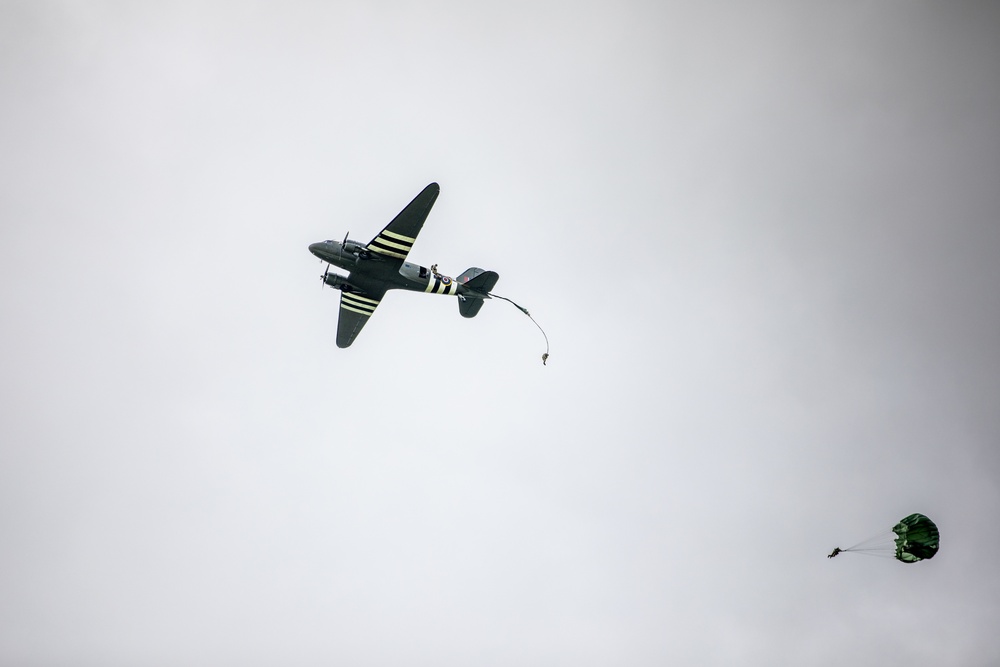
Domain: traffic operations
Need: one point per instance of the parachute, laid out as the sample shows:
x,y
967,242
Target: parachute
x,y
917,538
913,539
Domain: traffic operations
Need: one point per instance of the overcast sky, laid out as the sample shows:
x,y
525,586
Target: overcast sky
x,y
763,243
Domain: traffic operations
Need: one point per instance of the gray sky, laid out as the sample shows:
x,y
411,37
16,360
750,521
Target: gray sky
x,y
763,243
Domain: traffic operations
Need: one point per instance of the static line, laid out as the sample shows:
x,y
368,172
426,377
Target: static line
x,y
545,356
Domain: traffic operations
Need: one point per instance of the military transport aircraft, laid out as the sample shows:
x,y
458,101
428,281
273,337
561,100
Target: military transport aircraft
x,y
381,265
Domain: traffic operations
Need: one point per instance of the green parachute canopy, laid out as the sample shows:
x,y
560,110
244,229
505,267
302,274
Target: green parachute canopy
x,y
917,539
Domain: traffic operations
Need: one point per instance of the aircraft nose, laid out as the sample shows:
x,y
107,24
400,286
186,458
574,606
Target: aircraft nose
x,y
314,248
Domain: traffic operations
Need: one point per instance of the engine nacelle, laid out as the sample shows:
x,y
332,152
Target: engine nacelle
x,y
338,282
355,248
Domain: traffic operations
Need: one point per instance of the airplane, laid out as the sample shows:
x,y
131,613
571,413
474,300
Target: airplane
x,y
381,265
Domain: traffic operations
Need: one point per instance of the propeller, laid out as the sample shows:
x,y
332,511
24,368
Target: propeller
x,y
323,277
343,244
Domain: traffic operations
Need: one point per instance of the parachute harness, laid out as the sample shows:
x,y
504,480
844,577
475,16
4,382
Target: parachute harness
x,y
545,355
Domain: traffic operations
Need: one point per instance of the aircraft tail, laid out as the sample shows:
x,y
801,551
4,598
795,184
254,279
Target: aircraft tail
x,y
477,283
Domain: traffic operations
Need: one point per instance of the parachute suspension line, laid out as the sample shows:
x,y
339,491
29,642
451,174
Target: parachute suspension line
x,y
881,544
875,554
545,356
877,542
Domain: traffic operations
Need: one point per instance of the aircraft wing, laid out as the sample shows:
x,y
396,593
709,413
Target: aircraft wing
x,y
398,236
355,309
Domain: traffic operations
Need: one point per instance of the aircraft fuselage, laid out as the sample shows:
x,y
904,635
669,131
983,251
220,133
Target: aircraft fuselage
x,y
370,273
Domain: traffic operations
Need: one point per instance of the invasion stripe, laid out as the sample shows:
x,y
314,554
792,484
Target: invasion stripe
x,y
358,306
398,237
392,244
437,286
366,313
358,297
387,253
367,310
379,244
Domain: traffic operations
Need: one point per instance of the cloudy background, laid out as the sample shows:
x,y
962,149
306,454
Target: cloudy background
x,y
763,243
